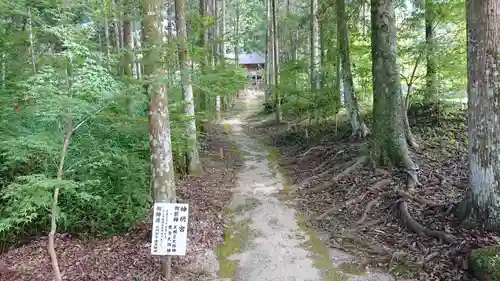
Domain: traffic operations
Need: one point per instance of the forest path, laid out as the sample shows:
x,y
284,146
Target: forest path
x,y
266,239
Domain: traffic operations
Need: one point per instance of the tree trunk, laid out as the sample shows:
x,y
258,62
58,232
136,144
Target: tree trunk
x,y
315,51
106,29
222,46
127,62
237,34
116,24
358,126
193,158
162,166
216,53
136,67
269,51
204,62
389,143
127,57
482,204
276,71
431,71
32,42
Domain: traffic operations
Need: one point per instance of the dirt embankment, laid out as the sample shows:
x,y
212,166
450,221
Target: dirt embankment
x,y
370,211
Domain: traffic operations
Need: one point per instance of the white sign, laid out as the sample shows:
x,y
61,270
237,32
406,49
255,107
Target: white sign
x,y
169,233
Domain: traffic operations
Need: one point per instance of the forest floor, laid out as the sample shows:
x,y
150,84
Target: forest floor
x,y
266,238
128,257
363,210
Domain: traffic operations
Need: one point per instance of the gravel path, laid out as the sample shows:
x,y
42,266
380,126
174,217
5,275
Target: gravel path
x,y
276,246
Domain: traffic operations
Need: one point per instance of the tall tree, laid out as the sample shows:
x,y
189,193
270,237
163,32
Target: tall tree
x,y
315,48
193,158
389,142
430,40
358,126
216,49
269,51
162,166
482,203
277,95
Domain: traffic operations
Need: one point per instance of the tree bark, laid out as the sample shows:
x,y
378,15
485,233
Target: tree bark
x,y
202,41
216,14
277,94
431,68
389,143
162,166
106,29
358,126
315,51
269,51
482,204
193,158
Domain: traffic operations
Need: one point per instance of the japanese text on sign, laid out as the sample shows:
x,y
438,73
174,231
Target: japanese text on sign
x,y
169,234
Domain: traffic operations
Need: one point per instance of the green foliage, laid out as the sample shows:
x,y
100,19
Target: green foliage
x,y
105,185
487,261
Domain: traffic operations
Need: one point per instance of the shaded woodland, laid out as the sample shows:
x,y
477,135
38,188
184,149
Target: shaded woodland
x,y
384,111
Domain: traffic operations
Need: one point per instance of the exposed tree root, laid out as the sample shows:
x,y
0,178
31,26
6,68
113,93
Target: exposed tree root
x,y
328,163
428,258
352,168
339,176
420,200
375,188
308,181
367,210
326,213
378,186
369,248
420,229
412,180
320,147
381,172
368,224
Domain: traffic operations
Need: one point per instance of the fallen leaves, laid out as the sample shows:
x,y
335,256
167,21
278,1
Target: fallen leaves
x,y
127,257
368,222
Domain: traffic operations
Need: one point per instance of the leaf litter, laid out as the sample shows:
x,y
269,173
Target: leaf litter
x,y
369,212
127,257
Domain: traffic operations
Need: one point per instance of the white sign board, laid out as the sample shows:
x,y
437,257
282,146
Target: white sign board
x,y
170,221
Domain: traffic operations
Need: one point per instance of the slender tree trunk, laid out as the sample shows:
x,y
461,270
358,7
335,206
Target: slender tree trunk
x,y
106,29
295,47
315,51
315,77
4,69
193,158
162,166
32,41
389,141
136,65
128,57
237,34
482,204
116,24
322,56
202,41
431,71
358,127
269,51
217,54
223,45
276,71
338,76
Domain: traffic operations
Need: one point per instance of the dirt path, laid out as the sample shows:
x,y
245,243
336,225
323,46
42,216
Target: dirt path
x,y
266,238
